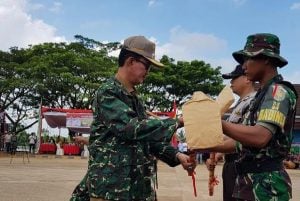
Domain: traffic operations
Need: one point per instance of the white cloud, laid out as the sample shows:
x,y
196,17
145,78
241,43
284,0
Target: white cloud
x,y
114,53
151,3
36,6
19,29
295,6
56,7
154,3
188,46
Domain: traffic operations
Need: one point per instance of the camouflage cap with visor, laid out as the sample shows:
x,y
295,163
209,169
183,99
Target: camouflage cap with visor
x,y
261,44
237,72
142,46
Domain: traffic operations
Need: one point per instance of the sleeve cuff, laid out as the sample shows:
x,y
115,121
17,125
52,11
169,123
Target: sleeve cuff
x,y
271,127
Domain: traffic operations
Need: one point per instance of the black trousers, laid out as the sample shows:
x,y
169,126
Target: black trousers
x,y
228,175
31,148
7,146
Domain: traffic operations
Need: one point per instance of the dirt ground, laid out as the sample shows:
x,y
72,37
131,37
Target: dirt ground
x,y
47,178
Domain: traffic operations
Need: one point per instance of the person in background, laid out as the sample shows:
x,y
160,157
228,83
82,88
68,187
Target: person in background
x,y
77,140
81,140
124,142
32,141
7,141
244,88
14,143
52,140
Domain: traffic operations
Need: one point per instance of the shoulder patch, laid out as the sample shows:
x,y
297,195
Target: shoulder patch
x,y
279,92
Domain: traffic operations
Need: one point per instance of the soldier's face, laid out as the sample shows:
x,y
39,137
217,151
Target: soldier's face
x,y
139,70
238,84
254,68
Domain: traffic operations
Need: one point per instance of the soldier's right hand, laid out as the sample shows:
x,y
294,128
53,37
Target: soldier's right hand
x,y
210,164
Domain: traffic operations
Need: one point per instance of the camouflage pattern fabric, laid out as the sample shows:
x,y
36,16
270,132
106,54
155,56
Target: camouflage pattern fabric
x,y
240,109
276,109
81,193
261,44
228,173
124,144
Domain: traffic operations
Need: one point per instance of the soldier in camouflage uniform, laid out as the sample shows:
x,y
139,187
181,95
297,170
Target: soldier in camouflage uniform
x,y
124,142
266,136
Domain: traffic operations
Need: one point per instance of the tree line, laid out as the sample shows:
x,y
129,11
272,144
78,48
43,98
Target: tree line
x,y
66,75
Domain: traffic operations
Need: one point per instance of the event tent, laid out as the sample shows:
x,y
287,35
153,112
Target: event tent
x,y
77,120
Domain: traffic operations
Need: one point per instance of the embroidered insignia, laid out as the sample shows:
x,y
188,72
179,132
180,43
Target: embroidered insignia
x,y
279,93
269,115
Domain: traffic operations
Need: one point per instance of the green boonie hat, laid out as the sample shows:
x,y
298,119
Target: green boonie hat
x,y
143,47
261,44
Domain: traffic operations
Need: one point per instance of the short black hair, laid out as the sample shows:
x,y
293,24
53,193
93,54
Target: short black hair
x,y
125,54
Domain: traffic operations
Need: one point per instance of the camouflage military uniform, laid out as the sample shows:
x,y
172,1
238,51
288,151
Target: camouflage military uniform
x,y
228,173
123,147
261,175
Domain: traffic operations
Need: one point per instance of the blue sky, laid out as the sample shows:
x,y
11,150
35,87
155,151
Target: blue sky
x,y
208,30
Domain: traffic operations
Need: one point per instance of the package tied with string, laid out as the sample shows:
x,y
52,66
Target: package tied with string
x,y
202,118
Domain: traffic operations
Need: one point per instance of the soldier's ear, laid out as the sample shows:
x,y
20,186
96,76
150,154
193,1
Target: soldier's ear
x,y
129,61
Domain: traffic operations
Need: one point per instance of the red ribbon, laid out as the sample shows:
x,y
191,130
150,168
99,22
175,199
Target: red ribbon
x,y
194,183
214,181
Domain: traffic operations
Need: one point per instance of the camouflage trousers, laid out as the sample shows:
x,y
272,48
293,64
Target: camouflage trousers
x,y
81,192
266,186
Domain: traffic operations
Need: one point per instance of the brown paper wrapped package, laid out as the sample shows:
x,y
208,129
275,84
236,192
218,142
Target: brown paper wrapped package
x,y
202,119
225,99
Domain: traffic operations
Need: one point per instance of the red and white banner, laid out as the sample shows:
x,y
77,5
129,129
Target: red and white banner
x,y
79,120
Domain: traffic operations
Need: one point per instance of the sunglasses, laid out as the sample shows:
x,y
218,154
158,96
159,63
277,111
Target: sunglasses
x,y
147,65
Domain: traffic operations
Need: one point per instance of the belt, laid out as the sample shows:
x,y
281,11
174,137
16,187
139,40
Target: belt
x,y
231,157
269,165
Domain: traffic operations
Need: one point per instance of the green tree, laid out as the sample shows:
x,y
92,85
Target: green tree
x,y
60,74
67,76
177,81
15,85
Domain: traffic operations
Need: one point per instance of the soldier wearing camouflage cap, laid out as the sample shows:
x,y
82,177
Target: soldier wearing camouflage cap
x,y
264,140
243,88
125,142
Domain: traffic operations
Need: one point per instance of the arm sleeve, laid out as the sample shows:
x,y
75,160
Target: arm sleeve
x,y
275,107
271,127
123,121
165,152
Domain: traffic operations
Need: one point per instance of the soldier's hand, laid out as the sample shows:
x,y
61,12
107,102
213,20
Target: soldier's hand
x,y
180,122
186,161
210,164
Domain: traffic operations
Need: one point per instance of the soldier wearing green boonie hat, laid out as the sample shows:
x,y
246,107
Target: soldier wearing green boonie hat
x,y
261,44
264,139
